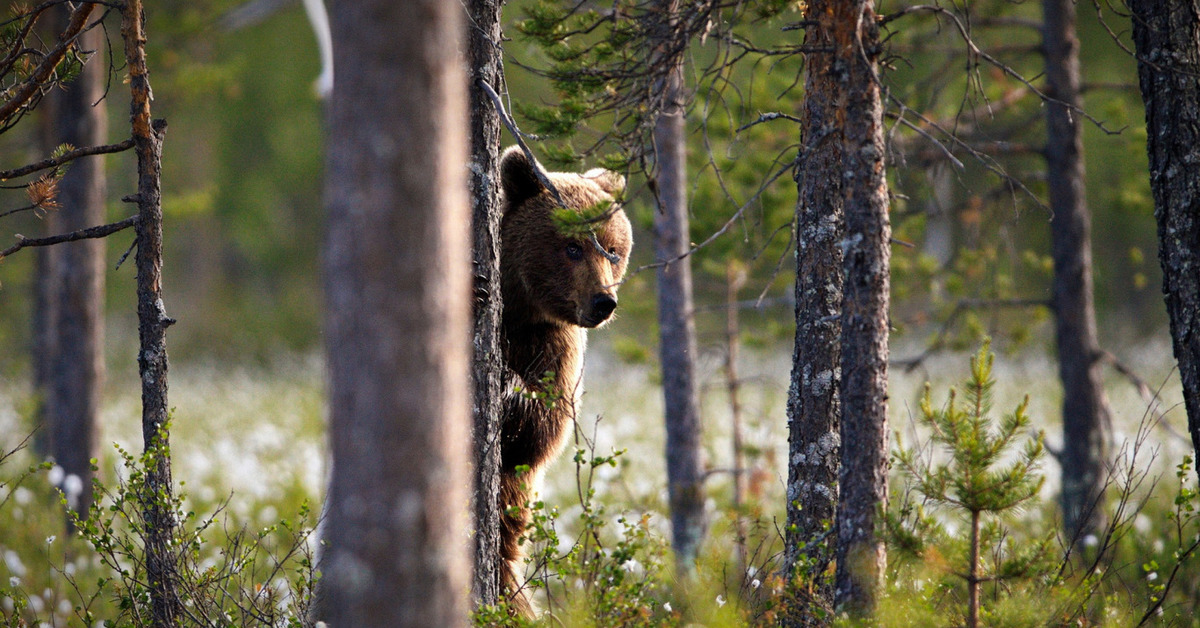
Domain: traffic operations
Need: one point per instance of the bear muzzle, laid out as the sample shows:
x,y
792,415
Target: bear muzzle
x,y
601,308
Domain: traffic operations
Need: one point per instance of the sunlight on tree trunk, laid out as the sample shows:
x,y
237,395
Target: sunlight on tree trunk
x,y
861,556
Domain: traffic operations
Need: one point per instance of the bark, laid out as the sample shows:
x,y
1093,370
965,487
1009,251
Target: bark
x,y
397,318
1085,408
814,405
677,330
43,341
157,493
483,43
1166,35
861,556
77,369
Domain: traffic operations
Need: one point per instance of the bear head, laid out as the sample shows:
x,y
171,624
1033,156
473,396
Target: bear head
x,y
549,276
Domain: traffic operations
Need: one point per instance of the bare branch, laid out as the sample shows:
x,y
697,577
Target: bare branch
x,y
55,162
537,169
37,78
1145,392
767,117
939,341
82,234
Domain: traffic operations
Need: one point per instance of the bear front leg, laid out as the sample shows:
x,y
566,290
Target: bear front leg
x,y
514,498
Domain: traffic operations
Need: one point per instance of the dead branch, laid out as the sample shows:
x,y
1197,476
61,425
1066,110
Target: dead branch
x,y
511,125
82,234
30,86
69,156
1145,392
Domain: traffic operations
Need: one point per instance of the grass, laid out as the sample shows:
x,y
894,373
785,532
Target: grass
x,y
249,441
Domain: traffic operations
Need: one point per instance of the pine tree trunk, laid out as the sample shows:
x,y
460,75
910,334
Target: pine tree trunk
x,y
158,493
814,404
677,331
43,339
397,318
1085,408
77,370
973,575
1165,34
483,41
861,556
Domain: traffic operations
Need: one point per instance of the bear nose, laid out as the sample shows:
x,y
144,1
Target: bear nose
x,y
603,305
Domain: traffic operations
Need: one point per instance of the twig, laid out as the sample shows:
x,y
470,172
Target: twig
x,y
1144,390
82,234
767,117
19,210
511,125
55,162
125,255
724,228
963,305
36,78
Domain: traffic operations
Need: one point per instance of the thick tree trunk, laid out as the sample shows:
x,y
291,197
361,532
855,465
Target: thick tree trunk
x,y
861,556
677,330
397,317
77,370
1166,35
814,405
1085,408
483,42
158,492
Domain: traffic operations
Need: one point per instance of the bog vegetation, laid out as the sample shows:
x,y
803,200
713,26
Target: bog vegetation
x,y
973,527
598,548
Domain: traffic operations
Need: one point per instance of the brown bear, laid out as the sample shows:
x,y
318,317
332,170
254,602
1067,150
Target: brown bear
x,y
554,286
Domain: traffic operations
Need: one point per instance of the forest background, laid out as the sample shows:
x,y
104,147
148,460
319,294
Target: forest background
x,y
243,208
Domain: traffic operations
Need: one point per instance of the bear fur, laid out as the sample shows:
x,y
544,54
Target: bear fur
x,y
554,287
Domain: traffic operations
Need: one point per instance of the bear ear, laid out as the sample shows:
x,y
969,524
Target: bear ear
x,y
518,177
608,180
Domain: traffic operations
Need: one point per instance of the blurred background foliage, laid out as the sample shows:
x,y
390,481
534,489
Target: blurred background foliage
x,y
243,196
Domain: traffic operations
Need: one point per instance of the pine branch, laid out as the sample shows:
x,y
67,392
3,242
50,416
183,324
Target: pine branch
x,y
82,234
69,156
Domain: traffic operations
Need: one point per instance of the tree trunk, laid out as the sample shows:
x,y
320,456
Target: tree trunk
x,y
43,340
814,405
735,278
77,369
1085,408
973,575
397,317
483,41
1165,33
861,556
677,330
158,492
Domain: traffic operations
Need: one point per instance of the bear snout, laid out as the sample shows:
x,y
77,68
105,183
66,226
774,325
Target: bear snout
x,y
602,307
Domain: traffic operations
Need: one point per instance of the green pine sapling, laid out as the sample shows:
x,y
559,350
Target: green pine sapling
x,y
979,478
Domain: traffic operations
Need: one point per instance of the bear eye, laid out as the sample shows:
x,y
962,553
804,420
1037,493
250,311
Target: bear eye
x,y
574,251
